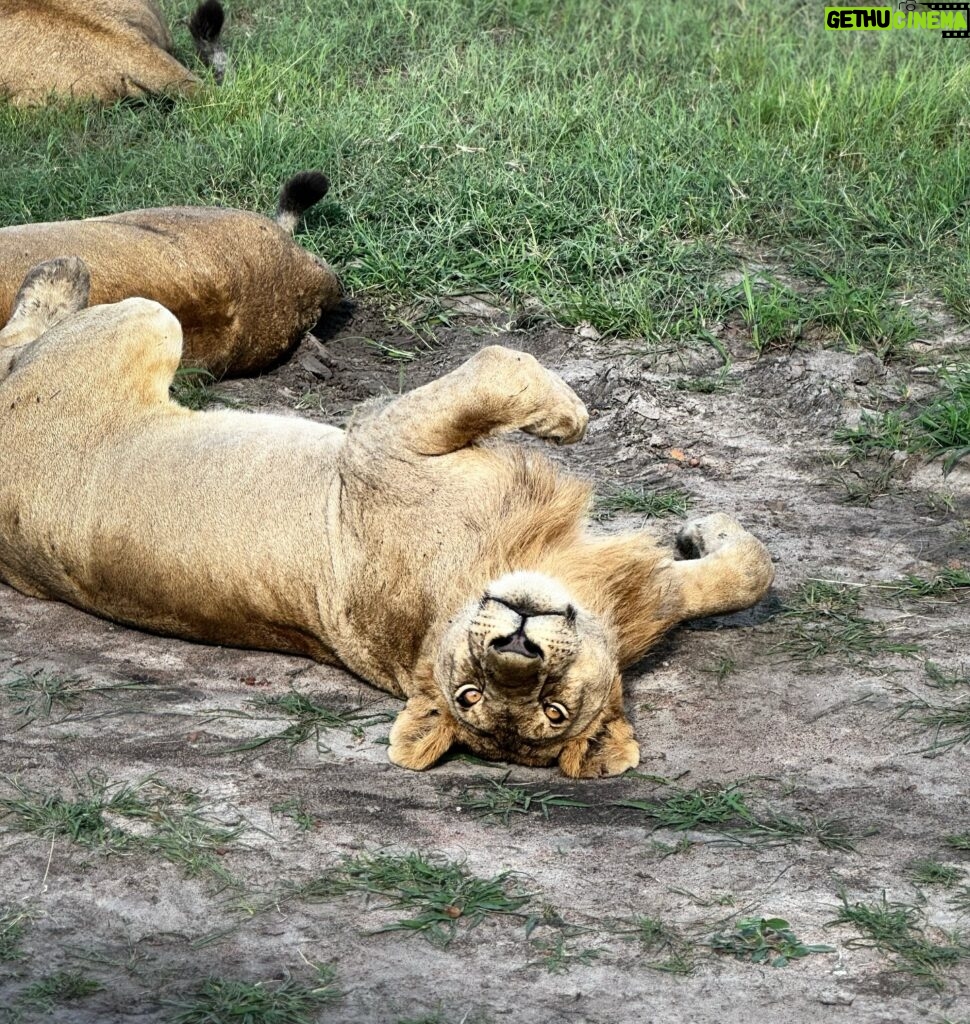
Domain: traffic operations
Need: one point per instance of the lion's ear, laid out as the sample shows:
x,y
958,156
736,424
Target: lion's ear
x,y
609,747
422,733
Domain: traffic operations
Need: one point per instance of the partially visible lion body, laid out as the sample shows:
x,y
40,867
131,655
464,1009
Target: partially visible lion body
x,y
87,49
244,291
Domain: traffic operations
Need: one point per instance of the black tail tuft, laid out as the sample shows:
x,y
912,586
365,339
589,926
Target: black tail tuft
x,y
301,192
206,22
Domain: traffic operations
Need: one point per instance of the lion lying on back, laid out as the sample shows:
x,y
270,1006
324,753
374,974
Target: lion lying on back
x,y
99,49
451,572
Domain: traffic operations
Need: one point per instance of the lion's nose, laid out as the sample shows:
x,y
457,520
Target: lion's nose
x,y
517,643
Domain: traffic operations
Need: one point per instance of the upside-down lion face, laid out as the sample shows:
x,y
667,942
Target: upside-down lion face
x,y
523,674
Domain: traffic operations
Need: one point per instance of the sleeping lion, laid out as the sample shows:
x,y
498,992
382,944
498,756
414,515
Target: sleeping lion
x,y
416,549
103,50
244,291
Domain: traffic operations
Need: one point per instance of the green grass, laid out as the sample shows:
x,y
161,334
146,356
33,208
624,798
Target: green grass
x,y
943,583
821,620
297,813
899,930
940,679
932,872
442,894
308,719
556,956
194,387
860,316
695,809
722,668
641,501
726,810
822,597
221,1001
960,899
609,161
939,428
663,947
958,841
147,816
496,800
764,941
39,695
59,987
705,385
12,929
948,724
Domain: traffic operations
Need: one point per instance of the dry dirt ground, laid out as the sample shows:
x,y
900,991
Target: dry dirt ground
x,y
787,769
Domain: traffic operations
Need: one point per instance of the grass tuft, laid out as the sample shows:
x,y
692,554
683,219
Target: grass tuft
x,y
308,720
945,582
60,987
220,1001
194,388
12,929
297,813
932,872
941,680
442,893
897,929
556,957
669,952
726,810
39,695
147,815
821,620
497,800
640,501
722,668
948,724
938,429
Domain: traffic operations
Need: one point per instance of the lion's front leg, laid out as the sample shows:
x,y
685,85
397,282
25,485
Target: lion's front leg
x,y
725,568
498,389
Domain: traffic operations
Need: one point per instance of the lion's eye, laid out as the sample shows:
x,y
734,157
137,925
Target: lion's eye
x,y
467,696
556,713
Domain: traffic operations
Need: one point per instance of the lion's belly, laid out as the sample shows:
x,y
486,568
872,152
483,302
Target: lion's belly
x,y
212,527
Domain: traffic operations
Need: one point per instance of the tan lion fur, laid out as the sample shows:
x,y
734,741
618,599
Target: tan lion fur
x,y
244,291
87,49
414,549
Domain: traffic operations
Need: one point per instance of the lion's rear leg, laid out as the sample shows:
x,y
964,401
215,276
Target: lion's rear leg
x,y
725,567
50,293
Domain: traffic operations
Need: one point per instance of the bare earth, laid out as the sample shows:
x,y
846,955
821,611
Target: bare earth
x,y
720,704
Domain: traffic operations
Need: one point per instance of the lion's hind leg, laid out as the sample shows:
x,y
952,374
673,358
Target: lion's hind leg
x,y
50,293
725,568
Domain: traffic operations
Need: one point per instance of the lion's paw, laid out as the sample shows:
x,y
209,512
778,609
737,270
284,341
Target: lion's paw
x,y
53,290
703,536
563,417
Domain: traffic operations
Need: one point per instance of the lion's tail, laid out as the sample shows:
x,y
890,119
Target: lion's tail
x,y
206,26
298,194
